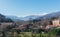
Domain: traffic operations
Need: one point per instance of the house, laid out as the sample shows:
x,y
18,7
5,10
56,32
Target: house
x,y
55,23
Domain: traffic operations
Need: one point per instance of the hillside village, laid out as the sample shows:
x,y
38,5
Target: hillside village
x,y
44,22
36,25
55,24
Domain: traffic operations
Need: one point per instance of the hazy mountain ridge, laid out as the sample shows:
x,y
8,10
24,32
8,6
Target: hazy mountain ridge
x,y
23,18
55,14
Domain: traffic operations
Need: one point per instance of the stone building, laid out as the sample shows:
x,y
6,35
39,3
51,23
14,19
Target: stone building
x,y
56,22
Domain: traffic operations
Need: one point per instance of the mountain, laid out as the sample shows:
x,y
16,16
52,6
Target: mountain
x,y
23,18
4,19
30,17
14,18
54,14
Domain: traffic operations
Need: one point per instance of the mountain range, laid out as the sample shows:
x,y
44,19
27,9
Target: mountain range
x,y
23,18
55,14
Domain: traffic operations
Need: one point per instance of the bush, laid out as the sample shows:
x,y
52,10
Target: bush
x,y
26,36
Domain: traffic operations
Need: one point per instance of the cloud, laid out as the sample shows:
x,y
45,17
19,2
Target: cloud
x,y
40,14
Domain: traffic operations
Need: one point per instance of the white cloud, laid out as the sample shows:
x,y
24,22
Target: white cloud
x,y
41,14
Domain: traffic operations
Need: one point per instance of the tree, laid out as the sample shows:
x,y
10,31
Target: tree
x,y
7,28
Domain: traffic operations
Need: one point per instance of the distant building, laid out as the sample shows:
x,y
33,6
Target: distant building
x,y
56,22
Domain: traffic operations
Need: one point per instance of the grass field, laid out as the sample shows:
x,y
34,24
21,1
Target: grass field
x,y
27,34
51,33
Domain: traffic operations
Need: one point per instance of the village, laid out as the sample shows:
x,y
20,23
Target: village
x,y
11,27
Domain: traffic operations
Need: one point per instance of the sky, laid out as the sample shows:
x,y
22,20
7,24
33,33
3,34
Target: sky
x,y
22,8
